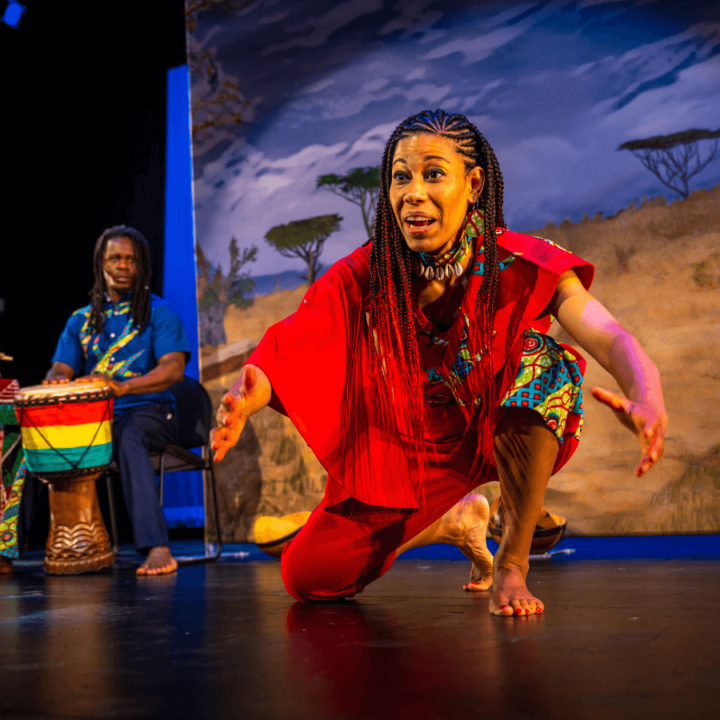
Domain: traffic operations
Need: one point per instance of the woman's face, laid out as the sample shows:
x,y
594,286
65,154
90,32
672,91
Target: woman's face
x,y
430,191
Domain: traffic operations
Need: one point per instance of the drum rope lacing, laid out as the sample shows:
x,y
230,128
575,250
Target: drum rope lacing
x,y
54,449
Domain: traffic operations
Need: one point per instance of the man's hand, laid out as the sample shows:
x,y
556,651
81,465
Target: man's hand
x,y
59,374
56,380
647,424
118,387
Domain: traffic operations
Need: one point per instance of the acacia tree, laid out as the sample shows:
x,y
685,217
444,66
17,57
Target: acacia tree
x,y
674,158
304,239
361,186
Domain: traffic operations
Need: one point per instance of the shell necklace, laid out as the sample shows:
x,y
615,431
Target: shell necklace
x,y
442,267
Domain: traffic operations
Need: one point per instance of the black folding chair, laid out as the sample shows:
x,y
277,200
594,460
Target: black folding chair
x,y
194,411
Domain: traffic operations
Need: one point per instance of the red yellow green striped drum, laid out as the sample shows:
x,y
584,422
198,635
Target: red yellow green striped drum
x,y
66,429
67,436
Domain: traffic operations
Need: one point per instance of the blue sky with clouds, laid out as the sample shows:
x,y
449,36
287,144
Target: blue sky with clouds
x,y
555,86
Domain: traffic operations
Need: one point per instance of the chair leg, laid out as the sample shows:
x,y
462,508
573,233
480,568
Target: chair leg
x,y
218,532
209,480
113,517
162,477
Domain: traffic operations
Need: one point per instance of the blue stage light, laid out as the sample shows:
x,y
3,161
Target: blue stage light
x,y
13,14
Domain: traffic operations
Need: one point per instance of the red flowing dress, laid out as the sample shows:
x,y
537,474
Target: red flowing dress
x,y
376,496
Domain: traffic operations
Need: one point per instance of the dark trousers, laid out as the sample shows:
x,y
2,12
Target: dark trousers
x,y
135,435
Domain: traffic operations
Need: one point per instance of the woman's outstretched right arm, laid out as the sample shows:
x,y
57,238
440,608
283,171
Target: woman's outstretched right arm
x,y
251,392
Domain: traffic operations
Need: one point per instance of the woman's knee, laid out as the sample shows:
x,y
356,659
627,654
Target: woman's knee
x,y
310,575
325,561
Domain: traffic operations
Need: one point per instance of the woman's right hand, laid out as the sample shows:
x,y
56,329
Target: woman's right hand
x,y
250,393
231,421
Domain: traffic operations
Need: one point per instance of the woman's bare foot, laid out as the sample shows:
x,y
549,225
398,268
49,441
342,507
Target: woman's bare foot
x,y
159,562
6,565
510,594
465,526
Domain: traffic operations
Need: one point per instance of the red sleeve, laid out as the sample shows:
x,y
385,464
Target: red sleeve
x,y
533,267
317,363
315,338
542,262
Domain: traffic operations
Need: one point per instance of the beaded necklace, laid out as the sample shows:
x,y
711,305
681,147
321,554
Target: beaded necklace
x,y
447,265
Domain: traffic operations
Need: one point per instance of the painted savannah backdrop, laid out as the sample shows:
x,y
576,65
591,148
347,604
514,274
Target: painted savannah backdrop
x,y
605,117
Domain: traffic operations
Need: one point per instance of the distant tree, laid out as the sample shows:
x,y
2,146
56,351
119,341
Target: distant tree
x,y
193,7
675,158
221,288
204,267
360,186
217,103
304,239
238,283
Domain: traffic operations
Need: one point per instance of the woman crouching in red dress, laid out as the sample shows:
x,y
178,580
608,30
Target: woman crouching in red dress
x,y
418,368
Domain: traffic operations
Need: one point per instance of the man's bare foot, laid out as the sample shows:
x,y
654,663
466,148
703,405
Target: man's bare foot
x,y
510,594
6,565
159,562
465,526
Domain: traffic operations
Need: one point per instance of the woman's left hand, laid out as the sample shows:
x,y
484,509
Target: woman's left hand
x,y
647,423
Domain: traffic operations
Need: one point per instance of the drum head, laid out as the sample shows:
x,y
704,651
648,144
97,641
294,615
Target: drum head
x,y
549,529
63,392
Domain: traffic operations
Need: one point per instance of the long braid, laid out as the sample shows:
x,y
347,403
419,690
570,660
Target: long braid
x,y
391,337
141,302
491,201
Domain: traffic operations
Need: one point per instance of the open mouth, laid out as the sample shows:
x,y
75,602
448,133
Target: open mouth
x,y
419,222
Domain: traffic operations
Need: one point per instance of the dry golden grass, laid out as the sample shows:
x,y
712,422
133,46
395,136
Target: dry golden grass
x,y
252,322
654,223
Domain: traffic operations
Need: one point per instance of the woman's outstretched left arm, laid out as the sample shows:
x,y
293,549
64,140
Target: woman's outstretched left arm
x,y
591,325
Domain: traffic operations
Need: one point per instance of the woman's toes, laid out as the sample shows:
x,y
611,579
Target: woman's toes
x,y
501,607
479,580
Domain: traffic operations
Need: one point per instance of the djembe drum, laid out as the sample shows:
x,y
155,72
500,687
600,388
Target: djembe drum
x,y
67,436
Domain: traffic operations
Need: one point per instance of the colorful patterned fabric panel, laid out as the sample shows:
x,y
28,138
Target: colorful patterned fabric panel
x,y
13,470
548,381
459,370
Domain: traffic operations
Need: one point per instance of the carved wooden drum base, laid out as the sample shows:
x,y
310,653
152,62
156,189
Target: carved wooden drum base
x,y
78,541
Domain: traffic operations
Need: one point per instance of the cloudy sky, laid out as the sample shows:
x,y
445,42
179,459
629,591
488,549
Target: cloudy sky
x,y
555,86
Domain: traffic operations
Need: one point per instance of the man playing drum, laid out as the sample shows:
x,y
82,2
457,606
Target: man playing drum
x,y
136,342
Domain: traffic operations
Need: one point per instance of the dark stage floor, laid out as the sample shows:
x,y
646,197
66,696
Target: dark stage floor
x,y
620,639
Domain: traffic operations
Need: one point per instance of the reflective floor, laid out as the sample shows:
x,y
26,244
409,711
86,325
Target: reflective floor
x,y
620,639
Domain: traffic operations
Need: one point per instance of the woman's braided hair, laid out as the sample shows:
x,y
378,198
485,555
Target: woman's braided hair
x,y
140,304
391,322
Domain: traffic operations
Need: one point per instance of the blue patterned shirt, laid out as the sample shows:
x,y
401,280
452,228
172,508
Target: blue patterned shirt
x,y
120,350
